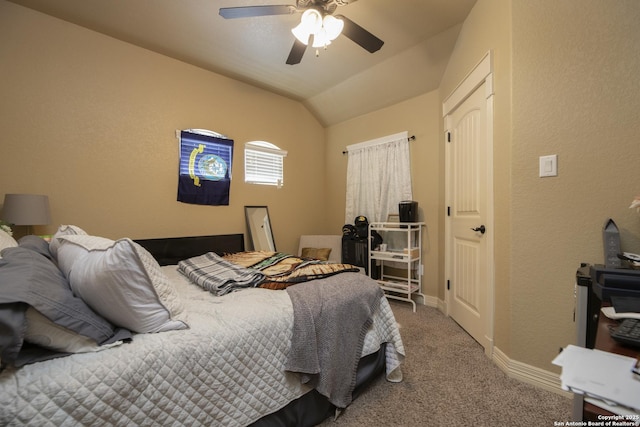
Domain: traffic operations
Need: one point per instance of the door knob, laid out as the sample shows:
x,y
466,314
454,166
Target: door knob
x,y
480,229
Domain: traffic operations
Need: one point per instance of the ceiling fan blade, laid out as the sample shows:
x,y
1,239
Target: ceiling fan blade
x,y
360,36
297,52
251,11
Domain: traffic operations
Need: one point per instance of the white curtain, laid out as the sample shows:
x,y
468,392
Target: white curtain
x,y
378,177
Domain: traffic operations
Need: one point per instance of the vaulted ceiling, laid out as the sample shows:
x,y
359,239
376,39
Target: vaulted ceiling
x,y
336,84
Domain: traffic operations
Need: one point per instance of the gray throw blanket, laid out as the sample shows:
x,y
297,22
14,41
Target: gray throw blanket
x,y
331,319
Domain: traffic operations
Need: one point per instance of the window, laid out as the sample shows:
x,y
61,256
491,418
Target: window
x,y
263,163
378,177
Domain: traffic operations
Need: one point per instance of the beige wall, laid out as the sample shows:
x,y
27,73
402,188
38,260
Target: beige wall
x,y
91,122
575,94
566,84
420,117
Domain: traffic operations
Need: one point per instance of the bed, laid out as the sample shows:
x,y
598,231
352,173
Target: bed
x,y
226,366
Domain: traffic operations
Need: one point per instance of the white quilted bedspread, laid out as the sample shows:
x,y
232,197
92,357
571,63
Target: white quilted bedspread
x,y
226,370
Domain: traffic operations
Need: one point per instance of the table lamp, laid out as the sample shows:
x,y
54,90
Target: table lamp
x,y
26,209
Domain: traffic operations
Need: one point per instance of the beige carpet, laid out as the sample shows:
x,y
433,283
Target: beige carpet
x,y
449,381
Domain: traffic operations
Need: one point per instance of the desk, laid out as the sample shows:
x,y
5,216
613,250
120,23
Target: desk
x,y
604,342
592,329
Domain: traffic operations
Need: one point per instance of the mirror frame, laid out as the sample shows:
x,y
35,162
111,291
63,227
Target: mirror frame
x,y
260,239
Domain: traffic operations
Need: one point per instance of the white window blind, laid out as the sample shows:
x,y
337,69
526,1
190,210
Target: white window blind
x,y
263,163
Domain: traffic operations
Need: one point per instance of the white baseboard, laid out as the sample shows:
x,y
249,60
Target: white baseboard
x,y
430,301
546,380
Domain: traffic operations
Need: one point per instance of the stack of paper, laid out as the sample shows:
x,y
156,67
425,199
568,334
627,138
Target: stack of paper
x,y
611,313
600,375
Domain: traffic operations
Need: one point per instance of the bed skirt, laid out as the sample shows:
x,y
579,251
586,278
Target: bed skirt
x,y
312,408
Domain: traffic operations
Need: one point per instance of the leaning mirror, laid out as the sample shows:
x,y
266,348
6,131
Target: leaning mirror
x,y
259,227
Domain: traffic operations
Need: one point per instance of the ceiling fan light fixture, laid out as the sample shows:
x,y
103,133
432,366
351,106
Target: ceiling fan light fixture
x,y
321,39
312,20
310,23
332,26
324,30
301,33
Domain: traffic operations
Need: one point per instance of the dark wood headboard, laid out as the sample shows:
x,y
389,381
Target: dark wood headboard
x,y
171,250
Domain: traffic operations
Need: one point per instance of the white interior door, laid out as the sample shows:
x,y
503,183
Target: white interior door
x,y
469,249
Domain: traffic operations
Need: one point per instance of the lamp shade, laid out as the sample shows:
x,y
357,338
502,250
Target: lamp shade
x,y
26,209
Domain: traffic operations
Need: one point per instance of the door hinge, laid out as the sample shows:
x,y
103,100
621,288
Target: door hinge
x,y
448,285
448,136
448,210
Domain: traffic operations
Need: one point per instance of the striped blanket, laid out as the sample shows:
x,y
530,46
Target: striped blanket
x,y
218,276
271,270
281,270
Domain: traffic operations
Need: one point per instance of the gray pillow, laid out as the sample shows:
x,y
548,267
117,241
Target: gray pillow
x,y
123,283
28,277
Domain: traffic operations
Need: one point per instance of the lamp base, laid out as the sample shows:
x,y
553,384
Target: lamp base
x,y
19,231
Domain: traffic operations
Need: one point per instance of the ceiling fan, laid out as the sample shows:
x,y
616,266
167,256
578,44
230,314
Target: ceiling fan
x,y
318,26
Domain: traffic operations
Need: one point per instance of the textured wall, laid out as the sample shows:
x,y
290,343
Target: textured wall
x,y
575,94
91,122
566,84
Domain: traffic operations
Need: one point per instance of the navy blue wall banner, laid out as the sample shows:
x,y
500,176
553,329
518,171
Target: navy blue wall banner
x,y
205,169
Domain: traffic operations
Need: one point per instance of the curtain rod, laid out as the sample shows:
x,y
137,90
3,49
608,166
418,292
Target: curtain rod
x,y
411,138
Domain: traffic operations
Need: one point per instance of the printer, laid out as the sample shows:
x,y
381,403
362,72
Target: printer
x,y
596,284
610,282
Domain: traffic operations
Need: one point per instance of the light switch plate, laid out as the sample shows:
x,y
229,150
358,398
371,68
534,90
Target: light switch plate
x,y
549,165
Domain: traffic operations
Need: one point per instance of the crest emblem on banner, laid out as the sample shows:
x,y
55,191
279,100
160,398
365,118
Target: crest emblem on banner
x,y
205,168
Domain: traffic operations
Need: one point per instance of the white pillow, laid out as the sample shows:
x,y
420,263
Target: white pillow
x,y
63,230
45,333
72,248
6,241
125,285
